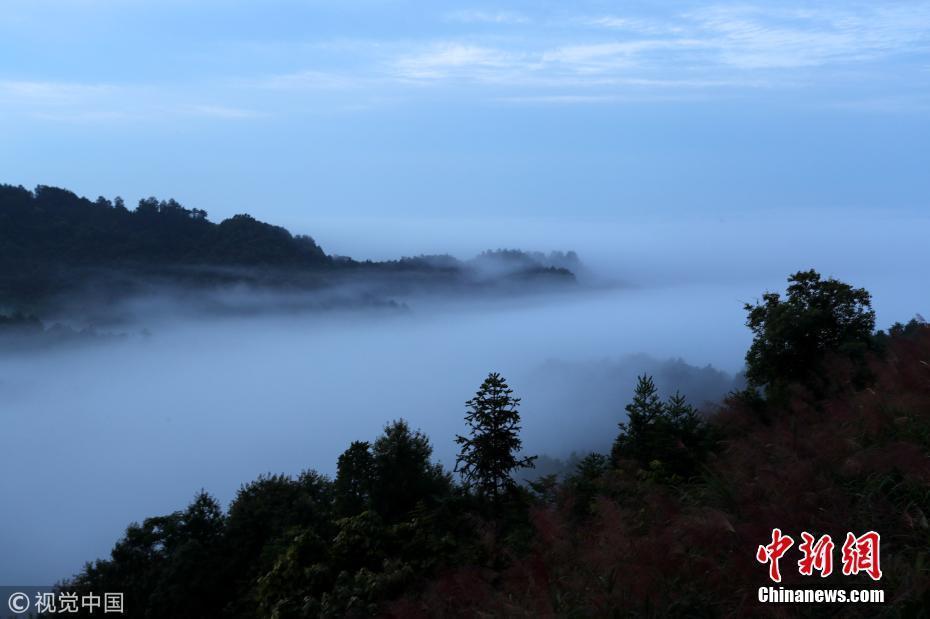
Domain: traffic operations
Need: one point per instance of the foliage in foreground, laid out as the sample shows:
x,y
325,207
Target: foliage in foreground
x,y
623,541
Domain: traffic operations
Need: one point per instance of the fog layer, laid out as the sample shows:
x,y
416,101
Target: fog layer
x,y
100,435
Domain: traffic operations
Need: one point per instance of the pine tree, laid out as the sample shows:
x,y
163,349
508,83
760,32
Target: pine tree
x,y
682,415
670,434
639,435
489,456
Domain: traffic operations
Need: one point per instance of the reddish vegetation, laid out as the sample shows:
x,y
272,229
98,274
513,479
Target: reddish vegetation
x,y
857,461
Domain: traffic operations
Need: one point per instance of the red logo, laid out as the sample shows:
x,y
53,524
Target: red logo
x,y
817,556
773,552
860,554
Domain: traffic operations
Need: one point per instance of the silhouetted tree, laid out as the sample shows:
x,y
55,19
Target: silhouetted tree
x,y
261,522
640,433
403,475
354,472
794,335
169,566
489,455
669,437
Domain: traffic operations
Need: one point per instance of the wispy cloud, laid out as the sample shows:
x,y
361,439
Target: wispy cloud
x,y
452,60
449,59
630,24
700,48
472,16
761,36
569,56
751,37
601,57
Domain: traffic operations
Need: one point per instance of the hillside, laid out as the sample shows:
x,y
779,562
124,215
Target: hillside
x,y
55,226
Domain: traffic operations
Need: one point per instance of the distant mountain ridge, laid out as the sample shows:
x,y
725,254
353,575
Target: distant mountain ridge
x,y
53,241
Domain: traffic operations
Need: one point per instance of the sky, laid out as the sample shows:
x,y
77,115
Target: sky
x,y
334,116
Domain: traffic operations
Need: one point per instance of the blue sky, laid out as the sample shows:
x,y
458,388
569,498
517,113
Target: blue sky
x,y
305,110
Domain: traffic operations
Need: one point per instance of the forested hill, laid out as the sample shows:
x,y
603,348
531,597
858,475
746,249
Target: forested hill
x,y
55,225
53,241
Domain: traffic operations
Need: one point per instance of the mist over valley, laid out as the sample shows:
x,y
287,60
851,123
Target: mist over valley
x,y
135,385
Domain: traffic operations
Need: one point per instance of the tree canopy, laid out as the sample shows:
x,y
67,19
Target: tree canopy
x,y
793,336
52,224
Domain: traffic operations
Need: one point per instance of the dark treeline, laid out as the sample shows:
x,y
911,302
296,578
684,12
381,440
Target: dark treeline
x,y
58,226
52,240
830,435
